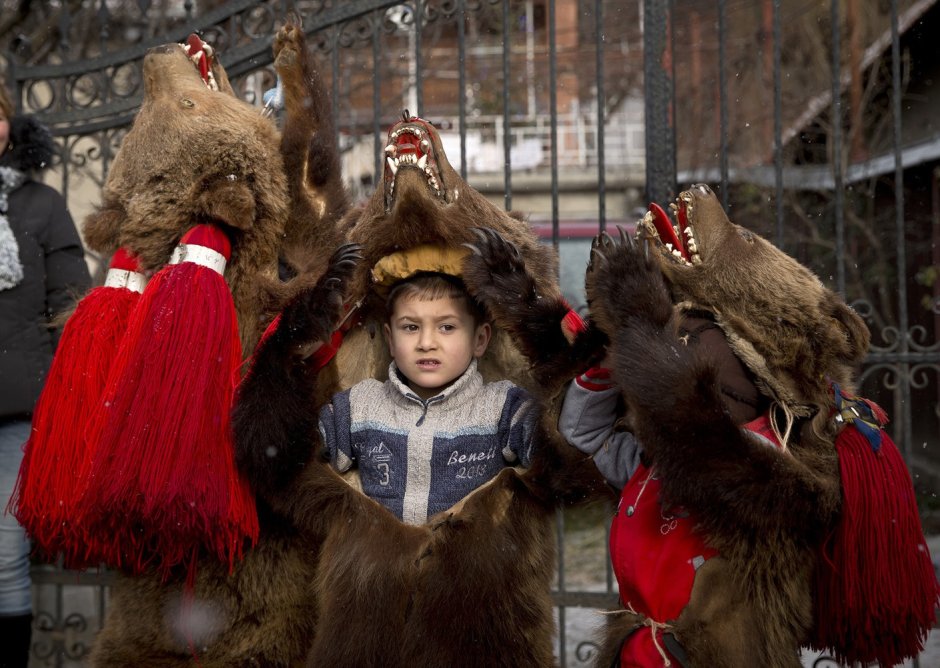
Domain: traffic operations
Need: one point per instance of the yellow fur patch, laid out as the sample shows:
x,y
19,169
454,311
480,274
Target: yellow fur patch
x,y
441,259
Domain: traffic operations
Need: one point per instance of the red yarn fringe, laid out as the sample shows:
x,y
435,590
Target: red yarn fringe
x,y
572,325
48,485
163,485
876,591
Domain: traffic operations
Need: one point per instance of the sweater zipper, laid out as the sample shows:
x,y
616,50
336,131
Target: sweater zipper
x,y
424,406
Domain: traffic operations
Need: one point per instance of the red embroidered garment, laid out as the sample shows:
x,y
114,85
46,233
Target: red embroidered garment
x,y
655,554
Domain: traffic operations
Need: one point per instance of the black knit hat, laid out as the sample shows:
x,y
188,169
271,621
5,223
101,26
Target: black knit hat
x,y
31,146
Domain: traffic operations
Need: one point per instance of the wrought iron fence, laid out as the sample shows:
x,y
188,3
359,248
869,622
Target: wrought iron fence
x,y
578,110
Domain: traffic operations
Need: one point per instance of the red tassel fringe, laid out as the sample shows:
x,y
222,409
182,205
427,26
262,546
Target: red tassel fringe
x,y
163,485
876,592
572,325
48,485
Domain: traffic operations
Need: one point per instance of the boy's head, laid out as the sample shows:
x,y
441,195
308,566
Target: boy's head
x,y
434,330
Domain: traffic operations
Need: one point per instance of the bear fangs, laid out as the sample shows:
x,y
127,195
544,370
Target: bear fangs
x,y
206,52
410,160
683,228
415,153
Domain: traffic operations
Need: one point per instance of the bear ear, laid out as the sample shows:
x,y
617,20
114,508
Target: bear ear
x,y
230,202
854,330
101,229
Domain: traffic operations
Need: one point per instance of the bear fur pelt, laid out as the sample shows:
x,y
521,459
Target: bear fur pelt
x,y
423,201
471,586
196,154
766,510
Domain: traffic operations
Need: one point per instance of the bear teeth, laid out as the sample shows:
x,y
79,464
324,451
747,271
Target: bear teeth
x,y
409,159
394,160
415,130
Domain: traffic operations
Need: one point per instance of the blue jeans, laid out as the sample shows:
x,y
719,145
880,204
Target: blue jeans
x,y
15,591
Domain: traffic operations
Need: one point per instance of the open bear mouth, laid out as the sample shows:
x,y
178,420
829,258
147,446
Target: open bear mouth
x,y
675,239
410,146
201,55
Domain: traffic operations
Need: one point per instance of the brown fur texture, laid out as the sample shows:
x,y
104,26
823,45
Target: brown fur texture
x,y
768,304
499,275
197,155
468,588
471,586
318,198
260,614
408,211
765,510
194,156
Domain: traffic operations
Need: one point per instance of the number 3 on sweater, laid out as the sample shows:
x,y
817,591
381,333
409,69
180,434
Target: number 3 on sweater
x,y
383,468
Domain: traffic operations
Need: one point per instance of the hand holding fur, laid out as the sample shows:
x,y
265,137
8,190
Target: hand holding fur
x,y
274,441
313,314
672,393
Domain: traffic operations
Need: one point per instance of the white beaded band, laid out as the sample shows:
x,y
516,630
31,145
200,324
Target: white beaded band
x,y
202,255
122,278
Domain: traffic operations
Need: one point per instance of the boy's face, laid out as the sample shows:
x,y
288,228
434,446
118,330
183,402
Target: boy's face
x,y
433,342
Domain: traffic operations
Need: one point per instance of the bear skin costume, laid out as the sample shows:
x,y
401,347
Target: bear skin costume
x,y
471,586
419,220
754,506
322,541
196,154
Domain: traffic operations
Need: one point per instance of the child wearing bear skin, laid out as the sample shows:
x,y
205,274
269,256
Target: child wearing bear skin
x,y
434,431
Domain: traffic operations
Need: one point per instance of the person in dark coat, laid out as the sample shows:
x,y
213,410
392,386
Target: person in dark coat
x,y
42,272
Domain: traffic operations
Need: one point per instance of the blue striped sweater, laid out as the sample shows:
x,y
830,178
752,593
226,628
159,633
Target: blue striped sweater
x,y
417,457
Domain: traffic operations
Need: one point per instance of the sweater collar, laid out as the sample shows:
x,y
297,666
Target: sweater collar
x,y
467,382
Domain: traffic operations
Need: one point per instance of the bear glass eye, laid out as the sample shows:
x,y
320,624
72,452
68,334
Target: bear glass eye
x,y
186,102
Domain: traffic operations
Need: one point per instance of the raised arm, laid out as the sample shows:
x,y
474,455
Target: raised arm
x,y
545,328
706,462
275,416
